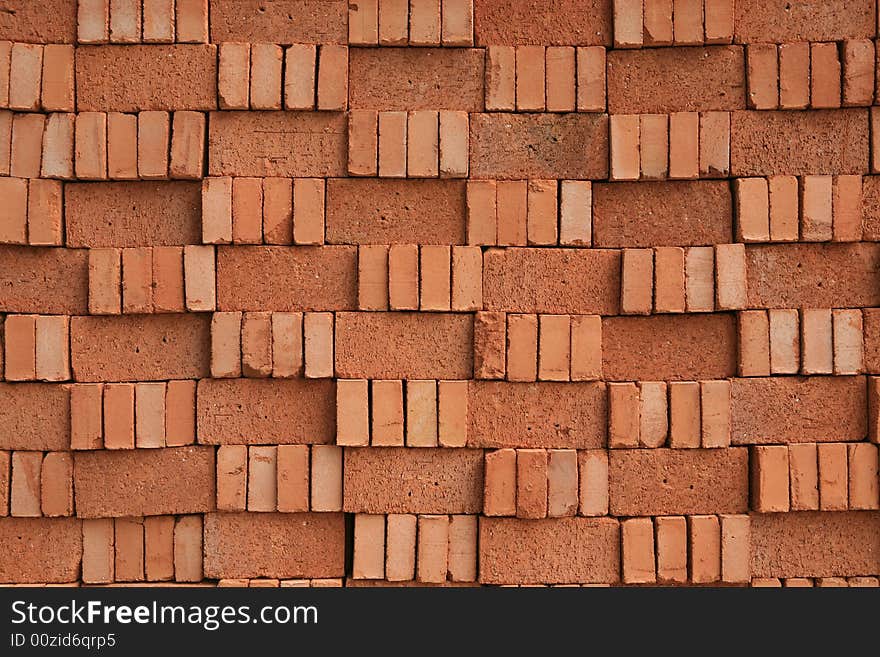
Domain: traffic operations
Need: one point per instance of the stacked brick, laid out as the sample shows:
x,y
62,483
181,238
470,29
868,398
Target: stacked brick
x,y
440,292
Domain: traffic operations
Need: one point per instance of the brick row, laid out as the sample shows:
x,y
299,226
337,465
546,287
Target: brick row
x,y
389,413
411,23
683,145
672,22
36,484
422,548
811,477
36,348
283,478
331,582
142,21
36,78
32,212
776,582
809,341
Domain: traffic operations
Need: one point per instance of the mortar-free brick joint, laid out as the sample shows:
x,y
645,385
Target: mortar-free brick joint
x,y
440,292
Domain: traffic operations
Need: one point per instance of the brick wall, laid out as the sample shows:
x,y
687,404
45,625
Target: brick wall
x,y
439,292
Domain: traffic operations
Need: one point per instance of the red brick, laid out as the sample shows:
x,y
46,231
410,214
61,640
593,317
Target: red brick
x,y
137,280
333,71
684,414
623,415
501,78
91,146
140,347
14,217
561,82
561,415
663,348
833,495
847,209
561,22
262,478
573,146
128,214
562,483
265,84
704,539
763,76
864,485
654,146
522,348
154,130
187,145
650,81
41,549
530,79
264,545
405,346
423,145
432,549
730,277
180,77
661,214
416,79
19,334
57,89
305,278
807,275
825,141
804,477
714,144
26,65
752,198
462,549
658,22
403,480
815,544
753,333
797,410
454,144
180,413
45,211
794,75
363,146
318,345
24,489
816,200
637,538
287,144
192,21
554,355
284,21
624,137
593,482
848,341
671,549
188,549
654,414
53,21
368,560
232,471
129,547
34,417
119,416
421,413
144,482
817,352
770,478
684,145
392,212
715,409
531,483
669,274
813,20
43,280
434,280
149,411
514,551
500,483
392,144
267,417
671,481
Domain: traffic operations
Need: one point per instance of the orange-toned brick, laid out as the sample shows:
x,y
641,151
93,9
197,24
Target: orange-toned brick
x,y
352,412
93,21
803,462
167,265
752,198
704,539
454,139
369,546
435,277
586,347
433,549
180,413
770,478
554,356
393,22
363,22
332,84
119,417
387,413
628,23
847,209
512,212
247,205
129,548
137,280
293,478
653,414
753,330
159,548
452,411
233,76
858,72
489,345
158,21
57,91
847,339
400,547
684,414
560,79
501,78
672,549
262,477
154,132
637,286
278,211
784,208
149,415
590,79
817,352
669,279
256,344
423,144
52,347
199,278
226,344
457,23
217,210
467,278
187,145
625,158
20,344
86,416
91,145
816,199
500,485
232,472
623,417
575,213
654,146
715,412
287,345
718,20
25,72
14,212
637,536
730,277
373,277
27,138
363,142
833,477
424,22
192,21
562,483
188,549
24,490
421,413
403,277
593,482
824,76
684,145
864,484
658,22
542,212
763,76
531,483
522,347
392,144
265,76
299,77
125,21
44,212
735,548
688,22
462,550
794,75
481,212
97,551
308,210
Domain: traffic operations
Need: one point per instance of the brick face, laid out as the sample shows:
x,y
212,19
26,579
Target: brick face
x,y
40,549
43,280
558,22
280,21
34,416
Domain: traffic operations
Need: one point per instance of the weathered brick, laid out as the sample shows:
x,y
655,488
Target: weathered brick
x,y
798,409
43,280
290,279
657,80
40,550
404,345
678,481
279,21
779,21
643,214
515,551
557,22
576,281
562,415
34,416
144,482
254,412
48,21
133,78
287,144
406,480
371,211
140,347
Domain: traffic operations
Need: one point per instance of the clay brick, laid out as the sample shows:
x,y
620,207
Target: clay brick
x,y
467,278
661,214
658,22
158,21
517,147
637,536
457,22
530,79
387,413
24,489
41,549
714,144
262,479
400,547
452,405
256,344
52,348
168,282
500,484
137,280
91,146
669,284
847,338
560,79
139,347
783,208
522,348
858,72
649,81
393,480
373,277
292,481
847,208
144,482
265,82
684,145
277,211
554,356
817,356
816,208
57,282
531,483
417,79
226,345
775,410
369,547
159,548
154,131
125,21
434,280
129,547
753,332
752,198
696,481
653,421
778,21
575,213
664,348
423,146
392,144
217,210
86,416
804,477
119,416
21,347
286,144
57,85
519,551
798,543
149,415
318,345
432,549
864,489
500,78
586,347
287,345
593,482
770,478
233,76
560,415
403,277
424,22
45,211
684,414
628,24
97,551
247,206
187,145
624,147
462,554
624,420
704,539
362,143
326,478
453,138
825,141
735,544
352,412
731,275
794,75
562,483
26,64
672,559
421,413
179,77
14,214
824,76
180,413
268,417
833,477
232,471
654,146
763,76
715,410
